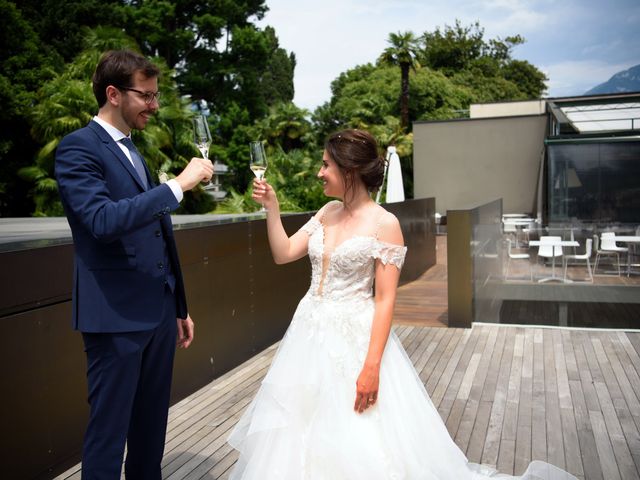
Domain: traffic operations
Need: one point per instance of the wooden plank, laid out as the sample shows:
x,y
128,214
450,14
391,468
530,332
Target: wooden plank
x,y
587,443
628,412
609,391
457,393
431,373
555,446
506,457
468,395
477,414
522,456
573,461
538,408
494,430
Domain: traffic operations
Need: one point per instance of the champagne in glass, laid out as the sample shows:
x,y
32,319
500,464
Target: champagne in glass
x,y
258,163
202,139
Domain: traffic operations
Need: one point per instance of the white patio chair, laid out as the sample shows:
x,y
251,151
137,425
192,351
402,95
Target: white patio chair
x,y
585,256
607,246
517,256
548,250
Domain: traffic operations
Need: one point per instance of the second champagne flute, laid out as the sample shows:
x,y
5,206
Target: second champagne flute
x,y
258,163
202,139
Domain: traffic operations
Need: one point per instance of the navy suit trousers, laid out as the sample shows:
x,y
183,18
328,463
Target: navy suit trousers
x,y
129,379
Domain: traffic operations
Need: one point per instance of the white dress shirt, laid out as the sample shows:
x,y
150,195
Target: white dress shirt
x,y
117,135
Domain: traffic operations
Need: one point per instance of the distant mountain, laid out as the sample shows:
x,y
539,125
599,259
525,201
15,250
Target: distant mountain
x,y
625,81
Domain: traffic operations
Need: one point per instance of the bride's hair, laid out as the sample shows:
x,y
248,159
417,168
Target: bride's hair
x,y
356,154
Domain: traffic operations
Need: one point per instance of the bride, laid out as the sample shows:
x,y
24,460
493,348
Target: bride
x,y
341,400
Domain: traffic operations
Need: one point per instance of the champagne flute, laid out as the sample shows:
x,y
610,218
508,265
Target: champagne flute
x,y
258,163
202,139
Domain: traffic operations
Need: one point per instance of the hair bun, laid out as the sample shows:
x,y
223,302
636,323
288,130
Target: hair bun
x,y
356,152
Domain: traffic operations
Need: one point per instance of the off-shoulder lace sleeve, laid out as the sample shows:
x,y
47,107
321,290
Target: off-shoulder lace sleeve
x,y
390,253
311,226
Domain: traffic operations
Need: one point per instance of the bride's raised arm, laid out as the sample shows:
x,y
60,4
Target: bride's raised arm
x,y
284,249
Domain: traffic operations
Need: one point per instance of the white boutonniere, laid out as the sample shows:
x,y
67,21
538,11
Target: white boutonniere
x,y
162,176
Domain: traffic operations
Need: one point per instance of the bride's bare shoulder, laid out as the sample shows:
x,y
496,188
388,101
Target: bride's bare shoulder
x,y
327,208
388,227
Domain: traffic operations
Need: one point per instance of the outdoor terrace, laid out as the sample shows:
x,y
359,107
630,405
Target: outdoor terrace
x,y
508,395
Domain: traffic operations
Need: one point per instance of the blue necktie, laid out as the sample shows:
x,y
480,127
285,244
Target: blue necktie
x,y
137,160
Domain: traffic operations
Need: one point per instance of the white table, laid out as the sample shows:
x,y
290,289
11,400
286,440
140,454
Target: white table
x,y
518,224
628,239
554,244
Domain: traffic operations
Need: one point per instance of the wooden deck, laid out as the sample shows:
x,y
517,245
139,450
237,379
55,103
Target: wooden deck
x,y
424,301
507,395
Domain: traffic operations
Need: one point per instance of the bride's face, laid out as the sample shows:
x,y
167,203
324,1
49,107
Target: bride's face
x,y
331,177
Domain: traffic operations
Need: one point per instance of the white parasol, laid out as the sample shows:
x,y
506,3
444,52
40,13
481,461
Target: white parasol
x,y
393,175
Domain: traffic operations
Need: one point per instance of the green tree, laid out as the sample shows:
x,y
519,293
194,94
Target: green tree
x,y
530,81
218,54
452,49
286,127
402,52
485,66
66,103
62,25
25,63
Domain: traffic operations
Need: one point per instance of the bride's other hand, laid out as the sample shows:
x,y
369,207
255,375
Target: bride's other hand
x,y
367,388
264,194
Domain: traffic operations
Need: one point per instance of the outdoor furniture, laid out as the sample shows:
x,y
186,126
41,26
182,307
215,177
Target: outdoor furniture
x,y
633,241
551,247
515,226
585,256
517,256
607,246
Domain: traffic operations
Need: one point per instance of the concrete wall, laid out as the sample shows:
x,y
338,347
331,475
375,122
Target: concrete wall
x,y
472,161
508,109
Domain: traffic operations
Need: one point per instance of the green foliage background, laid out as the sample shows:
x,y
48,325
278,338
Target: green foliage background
x,y
214,57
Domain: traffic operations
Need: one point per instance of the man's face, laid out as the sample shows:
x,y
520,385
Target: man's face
x,y
135,112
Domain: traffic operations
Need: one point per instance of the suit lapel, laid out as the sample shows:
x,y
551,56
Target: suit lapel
x,y
119,154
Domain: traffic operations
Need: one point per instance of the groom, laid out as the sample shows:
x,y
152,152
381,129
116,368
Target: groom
x,y
128,296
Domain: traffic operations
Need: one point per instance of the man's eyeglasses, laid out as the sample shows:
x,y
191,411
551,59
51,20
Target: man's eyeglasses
x,y
146,96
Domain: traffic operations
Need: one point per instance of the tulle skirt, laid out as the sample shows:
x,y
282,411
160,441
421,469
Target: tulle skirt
x,y
301,425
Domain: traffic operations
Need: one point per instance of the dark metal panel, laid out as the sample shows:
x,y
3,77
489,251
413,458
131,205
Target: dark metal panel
x,y
35,277
417,220
459,268
44,392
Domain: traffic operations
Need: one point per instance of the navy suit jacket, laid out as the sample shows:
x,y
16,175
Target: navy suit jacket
x,y
122,234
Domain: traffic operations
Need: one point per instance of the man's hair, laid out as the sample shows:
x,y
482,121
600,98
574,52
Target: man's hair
x,y
117,68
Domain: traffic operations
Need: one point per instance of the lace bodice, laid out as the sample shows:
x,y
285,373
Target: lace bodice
x,y
349,271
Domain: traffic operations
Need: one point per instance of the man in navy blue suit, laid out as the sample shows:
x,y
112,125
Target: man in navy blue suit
x,y
128,296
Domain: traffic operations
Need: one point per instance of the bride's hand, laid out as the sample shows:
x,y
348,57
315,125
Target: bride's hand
x,y
367,388
264,194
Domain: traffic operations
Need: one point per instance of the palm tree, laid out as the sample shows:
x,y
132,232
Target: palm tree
x,y
402,51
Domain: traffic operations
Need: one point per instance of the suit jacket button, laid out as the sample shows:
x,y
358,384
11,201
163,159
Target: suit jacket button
x,y
158,233
160,265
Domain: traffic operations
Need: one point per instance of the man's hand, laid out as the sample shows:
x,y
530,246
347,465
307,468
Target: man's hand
x,y
196,171
185,332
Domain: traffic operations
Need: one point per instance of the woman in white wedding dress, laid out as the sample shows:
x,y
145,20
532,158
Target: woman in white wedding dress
x,y
341,400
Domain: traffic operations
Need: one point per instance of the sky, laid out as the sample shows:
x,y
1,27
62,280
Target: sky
x,y
578,44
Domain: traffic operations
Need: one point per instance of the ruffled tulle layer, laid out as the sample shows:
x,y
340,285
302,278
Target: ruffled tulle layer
x,y
301,424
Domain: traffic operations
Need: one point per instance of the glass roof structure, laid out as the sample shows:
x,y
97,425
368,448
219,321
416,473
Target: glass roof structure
x,y
604,117
615,113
